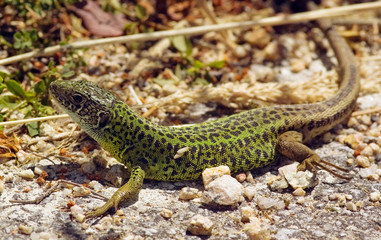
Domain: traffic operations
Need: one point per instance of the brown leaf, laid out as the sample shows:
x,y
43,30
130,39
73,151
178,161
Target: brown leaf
x,y
99,22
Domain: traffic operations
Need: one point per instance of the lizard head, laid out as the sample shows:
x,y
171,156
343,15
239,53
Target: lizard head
x,y
87,104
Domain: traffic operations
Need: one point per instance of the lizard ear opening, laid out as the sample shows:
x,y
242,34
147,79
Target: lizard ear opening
x,y
104,117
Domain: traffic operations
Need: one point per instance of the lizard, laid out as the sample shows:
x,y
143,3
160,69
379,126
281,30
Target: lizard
x,y
242,141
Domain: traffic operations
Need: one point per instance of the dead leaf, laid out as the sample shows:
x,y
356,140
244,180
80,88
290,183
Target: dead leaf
x,y
99,22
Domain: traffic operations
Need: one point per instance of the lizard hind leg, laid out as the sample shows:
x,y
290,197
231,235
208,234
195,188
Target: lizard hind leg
x,y
290,144
126,192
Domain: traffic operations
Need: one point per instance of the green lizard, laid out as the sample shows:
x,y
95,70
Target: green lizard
x,y
243,141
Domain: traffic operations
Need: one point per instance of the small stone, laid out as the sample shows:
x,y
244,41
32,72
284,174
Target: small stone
x,y
350,161
249,192
257,229
188,193
297,65
348,197
80,217
367,151
38,171
106,222
374,177
24,229
247,213
299,192
27,174
351,206
272,51
352,122
2,186
301,200
95,185
241,177
278,183
375,196
366,172
351,141
44,236
75,211
265,202
88,167
210,174
200,225
301,179
258,37
340,197
360,204
288,169
366,120
240,52
249,177
166,213
119,212
280,205
224,191
376,149
363,161
115,175
81,191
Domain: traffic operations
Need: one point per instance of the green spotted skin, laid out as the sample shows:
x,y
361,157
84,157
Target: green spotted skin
x,y
243,141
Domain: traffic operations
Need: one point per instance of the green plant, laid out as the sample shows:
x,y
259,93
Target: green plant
x,y
198,71
34,102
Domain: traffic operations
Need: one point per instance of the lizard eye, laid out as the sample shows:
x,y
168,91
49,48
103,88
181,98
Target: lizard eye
x,y
78,99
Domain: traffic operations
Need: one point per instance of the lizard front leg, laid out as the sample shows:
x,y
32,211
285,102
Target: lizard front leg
x,y
126,192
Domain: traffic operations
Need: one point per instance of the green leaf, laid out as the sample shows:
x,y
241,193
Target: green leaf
x,y
217,64
15,88
40,87
68,74
140,11
2,87
33,129
198,64
182,44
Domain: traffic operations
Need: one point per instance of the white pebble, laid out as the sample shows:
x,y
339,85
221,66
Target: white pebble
x,y
81,191
249,192
24,229
247,213
240,52
210,174
351,206
2,186
188,193
38,171
375,196
363,161
299,192
225,191
367,151
376,149
257,229
95,185
200,225
266,203
166,213
27,174
300,179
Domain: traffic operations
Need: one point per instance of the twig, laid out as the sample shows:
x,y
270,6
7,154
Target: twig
x,y
271,21
28,120
368,111
37,200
